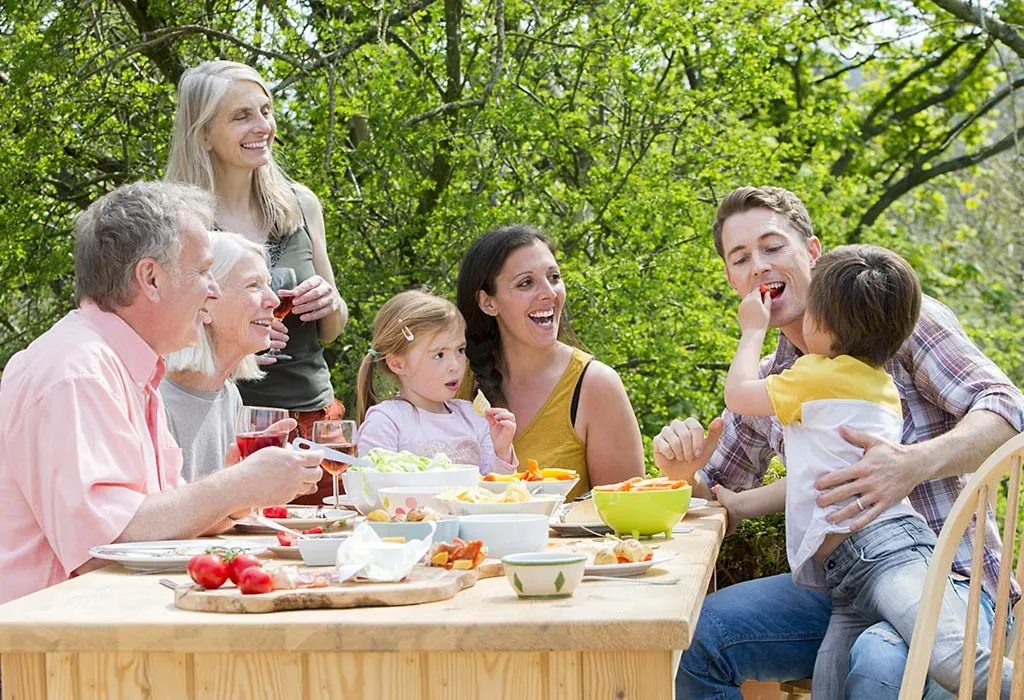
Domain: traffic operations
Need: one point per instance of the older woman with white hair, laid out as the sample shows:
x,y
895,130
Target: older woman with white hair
x,y
199,391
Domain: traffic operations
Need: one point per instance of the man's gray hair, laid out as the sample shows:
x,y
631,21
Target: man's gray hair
x,y
134,222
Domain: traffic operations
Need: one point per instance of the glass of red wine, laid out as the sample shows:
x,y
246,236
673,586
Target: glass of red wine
x,y
283,282
255,429
339,435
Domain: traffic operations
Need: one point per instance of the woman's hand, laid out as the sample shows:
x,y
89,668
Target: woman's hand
x,y
503,429
278,339
314,299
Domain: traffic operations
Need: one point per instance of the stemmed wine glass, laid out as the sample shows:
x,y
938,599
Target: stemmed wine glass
x,y
257,427
282,282
338,435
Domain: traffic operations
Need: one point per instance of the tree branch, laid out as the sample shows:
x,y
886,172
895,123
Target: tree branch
x,y
988,23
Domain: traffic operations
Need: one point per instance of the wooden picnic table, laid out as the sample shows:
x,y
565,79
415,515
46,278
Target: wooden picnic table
x,y
114,634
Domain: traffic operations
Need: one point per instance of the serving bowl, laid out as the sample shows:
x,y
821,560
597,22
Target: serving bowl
x,y
506,534
320,550
641,513
445,530
548,487
544,574
399,500
364,485
540,505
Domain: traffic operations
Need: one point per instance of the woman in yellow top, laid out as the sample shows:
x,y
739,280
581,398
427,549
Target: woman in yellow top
x,y
571,410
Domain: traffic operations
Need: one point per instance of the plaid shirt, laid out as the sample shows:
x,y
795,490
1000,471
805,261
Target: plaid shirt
x,y
941,377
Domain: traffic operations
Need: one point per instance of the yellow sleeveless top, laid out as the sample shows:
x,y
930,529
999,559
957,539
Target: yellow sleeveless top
x,y
550,438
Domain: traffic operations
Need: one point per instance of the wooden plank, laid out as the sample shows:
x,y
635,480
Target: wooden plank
x,y
244,676
62,677
124,675
23,676
365,675
628,675
467,676
565,675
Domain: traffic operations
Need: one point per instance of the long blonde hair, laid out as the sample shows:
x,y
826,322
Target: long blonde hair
x,y
404,318
200,92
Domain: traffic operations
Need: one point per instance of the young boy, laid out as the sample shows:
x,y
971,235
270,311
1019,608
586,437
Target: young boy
x,y
862,304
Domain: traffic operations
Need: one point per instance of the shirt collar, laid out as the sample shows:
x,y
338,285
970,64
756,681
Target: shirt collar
x,y
144,365
785,354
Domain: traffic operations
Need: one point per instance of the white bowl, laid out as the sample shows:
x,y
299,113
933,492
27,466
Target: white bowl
x,y
363,485
541,505
551,487
443,531
506,534
320,550
402,499
544,574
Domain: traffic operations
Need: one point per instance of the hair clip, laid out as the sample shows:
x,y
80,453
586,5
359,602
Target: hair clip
x,y
406,332
373,353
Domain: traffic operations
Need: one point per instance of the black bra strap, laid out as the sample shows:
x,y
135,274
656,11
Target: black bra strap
x,y
576,395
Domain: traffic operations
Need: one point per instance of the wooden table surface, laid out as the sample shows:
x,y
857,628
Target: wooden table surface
x,y
84,633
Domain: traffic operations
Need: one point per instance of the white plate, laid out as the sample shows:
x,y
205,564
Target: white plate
x,y
292,552
308,519
167,555
344,501
696,503
577,529
634,569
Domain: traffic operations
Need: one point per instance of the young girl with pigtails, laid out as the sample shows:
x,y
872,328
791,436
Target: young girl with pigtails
x,y
420,341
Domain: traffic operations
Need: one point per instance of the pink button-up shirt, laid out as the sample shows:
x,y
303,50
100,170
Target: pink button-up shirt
x,y
83,439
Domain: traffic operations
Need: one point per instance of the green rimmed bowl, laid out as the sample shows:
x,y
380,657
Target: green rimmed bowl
x,y
544,574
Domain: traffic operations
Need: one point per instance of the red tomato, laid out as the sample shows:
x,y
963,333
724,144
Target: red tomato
x,y
314,531
285,539
240,563
275,512
255,580
208,570
762,290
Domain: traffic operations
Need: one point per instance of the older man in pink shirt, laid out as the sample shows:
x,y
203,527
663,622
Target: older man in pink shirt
x,y
85,455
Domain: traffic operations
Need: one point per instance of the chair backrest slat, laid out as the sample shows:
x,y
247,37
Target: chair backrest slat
x,y
1003,591
974,597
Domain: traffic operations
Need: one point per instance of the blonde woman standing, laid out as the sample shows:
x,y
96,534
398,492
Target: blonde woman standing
x,y
222,141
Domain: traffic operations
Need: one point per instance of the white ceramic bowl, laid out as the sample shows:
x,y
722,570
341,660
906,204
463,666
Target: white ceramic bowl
x,y
544,574
541,488
320,550
445,530
364,486
540,505
402,499
506,534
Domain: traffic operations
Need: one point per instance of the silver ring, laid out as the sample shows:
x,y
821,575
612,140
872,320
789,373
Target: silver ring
x,y
859,504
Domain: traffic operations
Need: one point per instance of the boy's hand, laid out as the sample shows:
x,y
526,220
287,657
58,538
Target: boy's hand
x,y
755,311
503,429
733,504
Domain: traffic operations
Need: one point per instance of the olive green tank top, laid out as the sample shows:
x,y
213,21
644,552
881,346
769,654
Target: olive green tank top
x,y
304,382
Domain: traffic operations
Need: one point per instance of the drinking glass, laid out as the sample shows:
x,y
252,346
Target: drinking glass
x,y
339,435
255,429
282,282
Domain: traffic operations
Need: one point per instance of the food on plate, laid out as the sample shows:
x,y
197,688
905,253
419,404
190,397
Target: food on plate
x,y
280,512
239,563
286,539
630,551
582,513
515,493
254,579
388,461
615,550
480,404
458,554
605,556
535,473
661,483
416,515
208,570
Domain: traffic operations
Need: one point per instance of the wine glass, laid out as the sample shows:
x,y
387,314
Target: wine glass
x,y
257,427
282,282
339,435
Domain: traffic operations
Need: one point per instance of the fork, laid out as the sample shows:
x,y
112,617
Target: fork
x,y
624,579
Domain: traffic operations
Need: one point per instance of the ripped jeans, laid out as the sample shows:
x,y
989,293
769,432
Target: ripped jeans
x,y
877,575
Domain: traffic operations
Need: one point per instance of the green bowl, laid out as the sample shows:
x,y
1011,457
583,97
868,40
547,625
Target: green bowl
x,y
640,513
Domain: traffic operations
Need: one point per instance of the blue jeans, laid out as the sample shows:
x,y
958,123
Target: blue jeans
x,y
770,629
877,575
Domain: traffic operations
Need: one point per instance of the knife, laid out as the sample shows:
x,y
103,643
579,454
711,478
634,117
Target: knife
x,y
303,444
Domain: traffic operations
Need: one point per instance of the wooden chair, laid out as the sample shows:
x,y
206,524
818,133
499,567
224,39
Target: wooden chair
x,y
973,501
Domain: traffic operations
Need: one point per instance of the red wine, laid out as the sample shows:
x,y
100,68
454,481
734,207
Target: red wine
x,y
332,467
284,307
251,442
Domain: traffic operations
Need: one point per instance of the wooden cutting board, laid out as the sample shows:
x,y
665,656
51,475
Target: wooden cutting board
x,y
423,585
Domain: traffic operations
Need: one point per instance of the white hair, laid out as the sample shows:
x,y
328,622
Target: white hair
x,y
228,249
200,92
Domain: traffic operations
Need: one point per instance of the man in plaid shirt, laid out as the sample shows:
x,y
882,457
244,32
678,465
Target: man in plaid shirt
x,y
958,407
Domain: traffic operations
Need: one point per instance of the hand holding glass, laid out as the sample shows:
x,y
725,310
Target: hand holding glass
x,y
282,282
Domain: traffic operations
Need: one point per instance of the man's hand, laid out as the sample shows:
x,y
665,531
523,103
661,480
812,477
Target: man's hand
x,y
275,475
883,476
682,447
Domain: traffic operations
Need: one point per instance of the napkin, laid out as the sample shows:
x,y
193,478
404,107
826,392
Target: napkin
x,y
385,562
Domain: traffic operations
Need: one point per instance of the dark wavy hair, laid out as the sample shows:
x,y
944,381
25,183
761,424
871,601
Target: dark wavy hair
x,y
480,266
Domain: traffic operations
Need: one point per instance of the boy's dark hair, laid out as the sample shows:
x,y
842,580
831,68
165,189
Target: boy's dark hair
x,y
868,298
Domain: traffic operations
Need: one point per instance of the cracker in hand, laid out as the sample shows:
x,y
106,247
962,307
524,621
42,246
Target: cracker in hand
x,y
480,404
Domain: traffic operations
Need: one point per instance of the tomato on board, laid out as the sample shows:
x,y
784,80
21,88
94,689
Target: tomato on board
x,y
208,570
240,563
255,580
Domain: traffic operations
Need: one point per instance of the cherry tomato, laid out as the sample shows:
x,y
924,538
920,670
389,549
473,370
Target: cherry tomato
x,y
314,531
275,512
285,539
208,570
763,289
255,580
240,563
